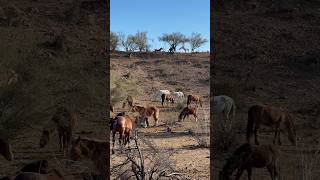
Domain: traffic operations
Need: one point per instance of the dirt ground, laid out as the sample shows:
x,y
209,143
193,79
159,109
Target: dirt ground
x,y
163,71
271,59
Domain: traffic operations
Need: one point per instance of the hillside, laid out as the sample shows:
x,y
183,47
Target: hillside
x,y
264,56
172,146
56,50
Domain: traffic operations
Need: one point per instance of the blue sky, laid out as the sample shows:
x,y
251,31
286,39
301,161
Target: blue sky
x,y
161,16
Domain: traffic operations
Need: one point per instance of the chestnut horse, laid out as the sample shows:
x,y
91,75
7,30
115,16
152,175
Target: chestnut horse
x,y
94,149
194,98
188,111
249,156
147,112
167,98
123,125
64,122
5,149
272,117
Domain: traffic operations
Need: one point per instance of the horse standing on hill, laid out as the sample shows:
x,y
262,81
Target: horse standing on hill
x,y
146,112
158,50
196,98
270,116
247,157
168,98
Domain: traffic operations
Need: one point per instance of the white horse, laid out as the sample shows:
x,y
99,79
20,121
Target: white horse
x,y
178,95
224,104
160,92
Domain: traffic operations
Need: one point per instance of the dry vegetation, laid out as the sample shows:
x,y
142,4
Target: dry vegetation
x,y
172,150
54,49
270,56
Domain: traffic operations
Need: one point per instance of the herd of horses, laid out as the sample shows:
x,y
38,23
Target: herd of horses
x,y
124,125
245,157
249,156
64,122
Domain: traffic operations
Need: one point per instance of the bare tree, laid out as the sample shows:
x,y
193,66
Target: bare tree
x,y
174,39
141,40
114,41
196,41
159,165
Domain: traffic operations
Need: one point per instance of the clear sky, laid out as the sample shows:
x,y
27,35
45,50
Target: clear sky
x,y
161,16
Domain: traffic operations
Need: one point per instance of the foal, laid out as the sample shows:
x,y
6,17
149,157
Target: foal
x,y
188,111
64,121
5,149
247,157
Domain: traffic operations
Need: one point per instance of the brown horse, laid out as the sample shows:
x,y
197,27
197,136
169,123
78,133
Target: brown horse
x,y
194,98
188,111
5,149
247,157
147,112
168,98
270,116
64,121
123,125
94,149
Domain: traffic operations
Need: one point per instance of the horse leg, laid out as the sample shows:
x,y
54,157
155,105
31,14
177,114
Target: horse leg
x,y
64,143
196,117
239,173
271,171
256,135
60,141
184,116
249,171
113,140
275,135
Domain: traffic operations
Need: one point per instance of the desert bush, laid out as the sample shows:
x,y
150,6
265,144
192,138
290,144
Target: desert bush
x,y
181,104
179,88
120,88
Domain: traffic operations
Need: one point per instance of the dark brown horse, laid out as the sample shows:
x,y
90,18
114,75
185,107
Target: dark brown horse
x,y
271,117
64,122
196,98
124,126
147,112
168,98
188,111
5,149
94,149
247,157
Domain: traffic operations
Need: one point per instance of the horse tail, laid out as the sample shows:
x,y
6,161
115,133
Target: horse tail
x,y
188,100
250,123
